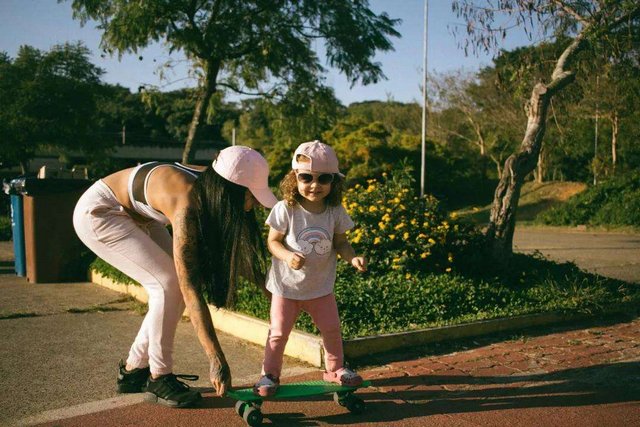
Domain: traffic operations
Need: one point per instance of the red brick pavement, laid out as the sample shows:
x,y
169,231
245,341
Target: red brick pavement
x,y
583,377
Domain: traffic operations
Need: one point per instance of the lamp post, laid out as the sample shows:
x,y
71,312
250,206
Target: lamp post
x,y
424,103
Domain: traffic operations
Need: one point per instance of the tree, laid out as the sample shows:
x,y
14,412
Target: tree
x,y
475,110
48,101
593,28
242,45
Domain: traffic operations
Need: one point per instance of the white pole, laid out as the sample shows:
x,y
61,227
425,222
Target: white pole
x,y
233,136
424,102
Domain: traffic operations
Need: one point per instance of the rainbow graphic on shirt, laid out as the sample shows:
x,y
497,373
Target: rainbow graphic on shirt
x,y
313,235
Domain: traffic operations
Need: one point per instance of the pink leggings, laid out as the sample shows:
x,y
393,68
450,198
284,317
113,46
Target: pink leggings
x,y
143,252
284,312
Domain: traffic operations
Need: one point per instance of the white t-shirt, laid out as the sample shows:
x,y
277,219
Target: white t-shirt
x,y
312,235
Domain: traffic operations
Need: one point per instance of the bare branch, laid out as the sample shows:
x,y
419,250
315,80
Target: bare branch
x,y
570,11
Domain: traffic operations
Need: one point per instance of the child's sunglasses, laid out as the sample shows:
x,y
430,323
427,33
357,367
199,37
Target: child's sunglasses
x,y
307,178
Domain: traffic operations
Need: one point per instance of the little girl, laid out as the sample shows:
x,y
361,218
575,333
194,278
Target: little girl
x,y
307,231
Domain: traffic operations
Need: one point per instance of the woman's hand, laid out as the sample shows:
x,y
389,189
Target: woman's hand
x,y
220,375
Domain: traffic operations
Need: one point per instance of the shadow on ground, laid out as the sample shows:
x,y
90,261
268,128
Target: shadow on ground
x,y
418,396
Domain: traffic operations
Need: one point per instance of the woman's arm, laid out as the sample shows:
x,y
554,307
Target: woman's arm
x,y
188,276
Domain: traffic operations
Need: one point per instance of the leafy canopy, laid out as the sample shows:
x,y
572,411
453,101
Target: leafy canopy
x,y
250,42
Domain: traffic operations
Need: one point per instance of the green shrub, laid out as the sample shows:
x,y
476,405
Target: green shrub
x,y
373,304
612,203
398,231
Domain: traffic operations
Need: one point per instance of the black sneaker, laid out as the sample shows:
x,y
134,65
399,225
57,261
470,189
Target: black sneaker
x,y
133,381
167,390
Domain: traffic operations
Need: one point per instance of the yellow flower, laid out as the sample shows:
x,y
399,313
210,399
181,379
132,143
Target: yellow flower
x,y
357,238
422,236
392,236
384,174
407,276
450,258
386,217
433,242
405,236
399,226
453,215
414,222
382,225
423,255
448,270
395,200
357,186
376,240
371,188
396,267
373,208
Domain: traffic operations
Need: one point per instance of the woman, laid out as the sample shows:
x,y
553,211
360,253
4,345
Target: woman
x,y
216,238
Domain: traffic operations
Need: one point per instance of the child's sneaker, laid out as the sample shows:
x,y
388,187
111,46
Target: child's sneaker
x,y
267,386
167,390
133,381
343,376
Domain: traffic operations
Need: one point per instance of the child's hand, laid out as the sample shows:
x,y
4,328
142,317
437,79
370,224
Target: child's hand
x,y
359,263
296,260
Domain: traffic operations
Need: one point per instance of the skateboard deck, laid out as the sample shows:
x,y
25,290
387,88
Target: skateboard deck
x,y
248,404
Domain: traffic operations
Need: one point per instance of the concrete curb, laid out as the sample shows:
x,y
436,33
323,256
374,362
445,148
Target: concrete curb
x,y
364,346
308,347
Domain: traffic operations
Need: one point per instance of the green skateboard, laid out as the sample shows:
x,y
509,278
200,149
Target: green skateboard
x,y
248,404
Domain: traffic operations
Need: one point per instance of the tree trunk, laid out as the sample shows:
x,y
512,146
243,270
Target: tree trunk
x,y
206,91
505,200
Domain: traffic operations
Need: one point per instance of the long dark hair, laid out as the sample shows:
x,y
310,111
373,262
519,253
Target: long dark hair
x,y
229,241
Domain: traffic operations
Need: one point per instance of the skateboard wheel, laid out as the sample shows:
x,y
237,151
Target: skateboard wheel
x,y
355,405
240,407
340,399
252,416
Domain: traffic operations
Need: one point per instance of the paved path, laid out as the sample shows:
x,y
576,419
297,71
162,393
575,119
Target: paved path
x,y
614,255
553,377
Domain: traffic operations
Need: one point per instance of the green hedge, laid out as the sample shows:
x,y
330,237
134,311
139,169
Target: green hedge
x,y
371,304
613,203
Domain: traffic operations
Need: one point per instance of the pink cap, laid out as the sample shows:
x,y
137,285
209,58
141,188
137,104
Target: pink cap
x,y
245,166
321,157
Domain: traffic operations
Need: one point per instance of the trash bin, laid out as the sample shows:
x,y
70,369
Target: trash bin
x,y
53,252
17,227
17,234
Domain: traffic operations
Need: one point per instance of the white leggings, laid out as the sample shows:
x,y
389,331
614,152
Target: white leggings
x,y
143,252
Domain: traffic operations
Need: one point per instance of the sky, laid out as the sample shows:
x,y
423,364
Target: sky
x,y
45,23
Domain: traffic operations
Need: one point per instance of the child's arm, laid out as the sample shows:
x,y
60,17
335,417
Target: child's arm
x,y
295,260
346,252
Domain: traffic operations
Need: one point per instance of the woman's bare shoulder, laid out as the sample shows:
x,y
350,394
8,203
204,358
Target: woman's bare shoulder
x,y
168,190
